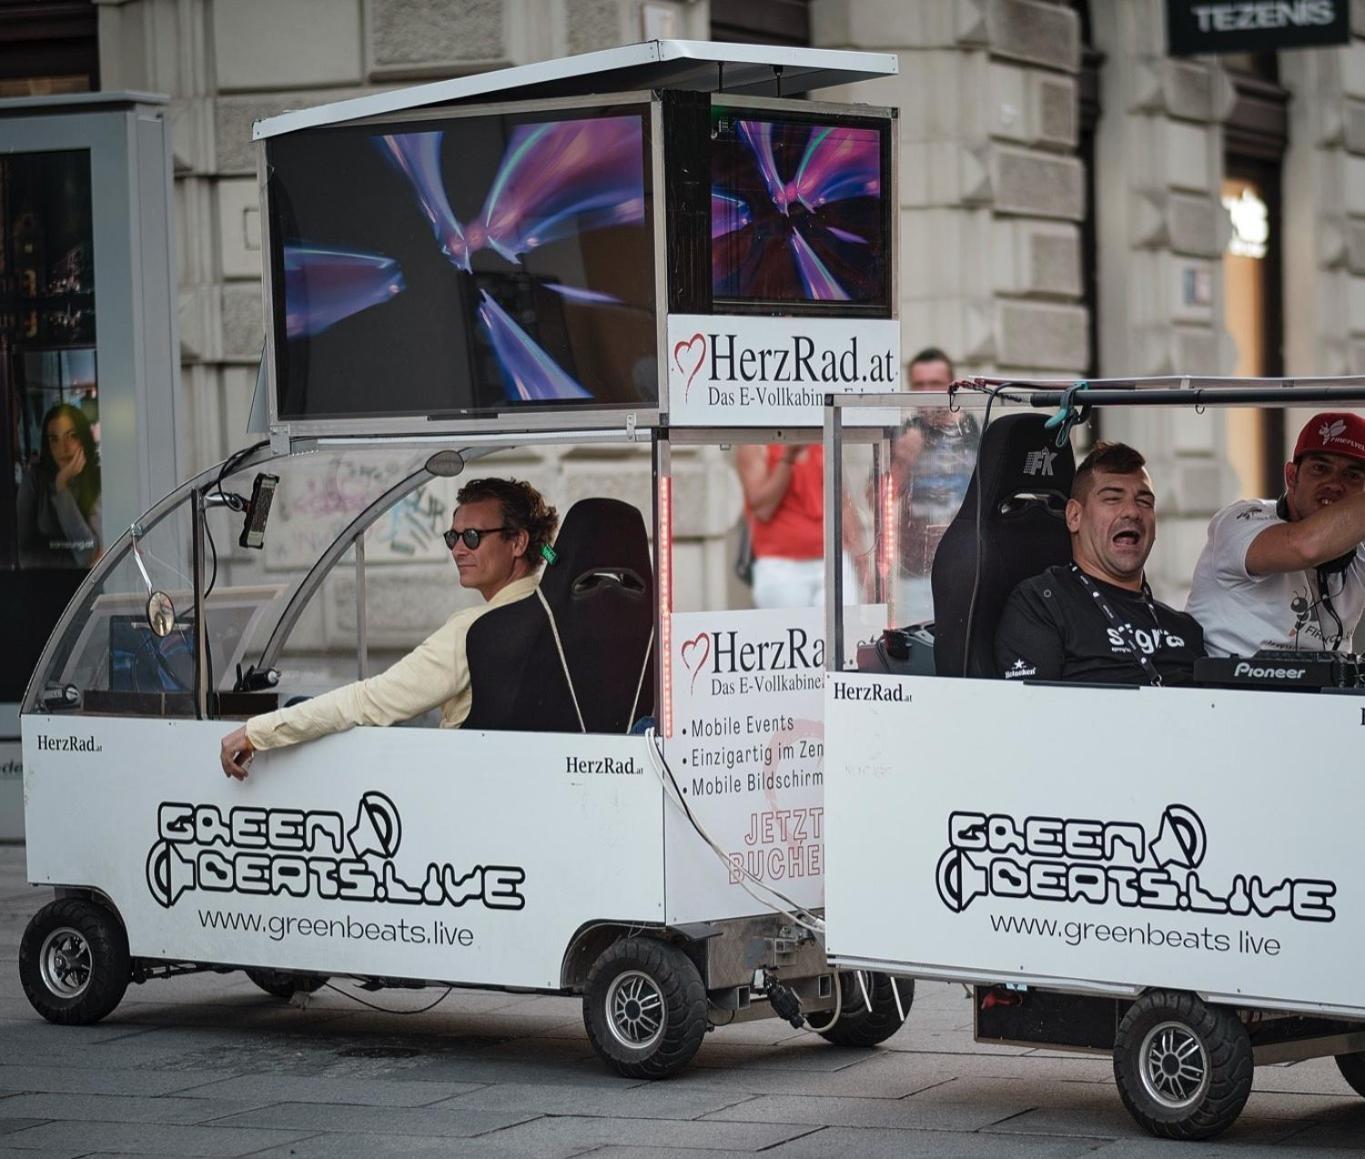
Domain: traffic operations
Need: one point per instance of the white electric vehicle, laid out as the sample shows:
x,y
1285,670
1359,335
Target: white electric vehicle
x,y
1167,874
529,273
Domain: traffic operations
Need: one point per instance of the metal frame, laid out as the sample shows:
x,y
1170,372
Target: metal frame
x,y
514,419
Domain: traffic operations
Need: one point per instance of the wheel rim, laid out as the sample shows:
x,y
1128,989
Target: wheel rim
x,y
66,962
635,1010
1174,1065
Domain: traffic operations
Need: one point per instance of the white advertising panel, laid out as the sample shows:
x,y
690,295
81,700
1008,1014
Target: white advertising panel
x,y
422,853
750,371
1187,838
747,752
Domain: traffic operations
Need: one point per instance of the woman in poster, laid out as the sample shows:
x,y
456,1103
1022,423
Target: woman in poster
x,y
59,498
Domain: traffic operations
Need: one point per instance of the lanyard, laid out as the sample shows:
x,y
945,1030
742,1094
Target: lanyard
x,y
1123,627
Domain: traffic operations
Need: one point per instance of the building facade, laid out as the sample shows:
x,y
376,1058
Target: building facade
x,y
1074,201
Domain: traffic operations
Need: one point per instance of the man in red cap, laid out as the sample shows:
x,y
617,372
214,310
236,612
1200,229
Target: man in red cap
x,y
1290,575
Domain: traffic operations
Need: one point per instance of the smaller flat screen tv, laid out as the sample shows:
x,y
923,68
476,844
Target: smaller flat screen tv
x,y
800,211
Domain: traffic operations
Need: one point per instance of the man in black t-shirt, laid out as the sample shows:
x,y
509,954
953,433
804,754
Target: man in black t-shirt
x,y
1095,620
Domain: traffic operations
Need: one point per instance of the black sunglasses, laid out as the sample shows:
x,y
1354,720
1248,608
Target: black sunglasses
x,y
472,536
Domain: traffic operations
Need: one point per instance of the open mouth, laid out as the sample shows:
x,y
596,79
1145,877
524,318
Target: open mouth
x,y
1127,538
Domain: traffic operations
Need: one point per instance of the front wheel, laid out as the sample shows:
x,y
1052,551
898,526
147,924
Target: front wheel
x,y
858,1023
73,961
644,1006
1183,1067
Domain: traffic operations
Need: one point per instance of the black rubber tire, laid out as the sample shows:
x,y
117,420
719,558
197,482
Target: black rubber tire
x,y
1352,1067
670,983
859,1026
73,961
283,984
1223,1054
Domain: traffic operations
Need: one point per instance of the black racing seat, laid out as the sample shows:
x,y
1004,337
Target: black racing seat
x,y
1023,480
600,592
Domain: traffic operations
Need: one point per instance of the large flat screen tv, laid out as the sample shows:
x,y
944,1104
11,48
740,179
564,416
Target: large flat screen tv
x,y
800,211
464,266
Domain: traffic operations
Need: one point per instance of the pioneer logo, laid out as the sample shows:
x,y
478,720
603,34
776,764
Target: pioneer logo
x,y
1252,672
310,853
1110,862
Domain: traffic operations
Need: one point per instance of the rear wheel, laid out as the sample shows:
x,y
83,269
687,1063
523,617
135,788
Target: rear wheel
x,y
1183,1067
858,1023
644,1006
73,961
283,984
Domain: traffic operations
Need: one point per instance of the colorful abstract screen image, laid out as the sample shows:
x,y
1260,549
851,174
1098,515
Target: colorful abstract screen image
x,y
797,211
464,266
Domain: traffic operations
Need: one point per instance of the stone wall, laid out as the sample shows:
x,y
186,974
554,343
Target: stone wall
x,y
991,190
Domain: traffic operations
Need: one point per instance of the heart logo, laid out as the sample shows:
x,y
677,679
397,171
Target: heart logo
x,y
688,357
695,652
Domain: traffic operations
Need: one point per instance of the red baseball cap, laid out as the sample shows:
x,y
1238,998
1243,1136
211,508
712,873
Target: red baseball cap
x,y
1333,433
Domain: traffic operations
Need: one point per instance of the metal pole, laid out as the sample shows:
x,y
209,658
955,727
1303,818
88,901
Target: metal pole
x,y
201,654
834,542
1193,396
361,625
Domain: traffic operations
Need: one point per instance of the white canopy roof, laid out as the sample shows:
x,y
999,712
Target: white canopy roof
x,y
696,65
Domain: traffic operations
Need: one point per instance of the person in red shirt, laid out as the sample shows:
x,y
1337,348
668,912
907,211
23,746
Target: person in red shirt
x,y
784,505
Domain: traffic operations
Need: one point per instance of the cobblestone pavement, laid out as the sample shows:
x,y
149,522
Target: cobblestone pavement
x,y
209,1065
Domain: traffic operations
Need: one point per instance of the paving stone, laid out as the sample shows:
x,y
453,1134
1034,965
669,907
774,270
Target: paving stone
x,y
376,1120
887,1144
917,1112
552,1131
647,1101
81,1138
615,1152
1226,1146
403,1146
317,1089
47,1153
123,1109
9,1125
880,1075
89,1081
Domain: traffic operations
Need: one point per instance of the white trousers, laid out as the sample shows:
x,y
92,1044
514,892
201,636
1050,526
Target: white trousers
x,y
797,583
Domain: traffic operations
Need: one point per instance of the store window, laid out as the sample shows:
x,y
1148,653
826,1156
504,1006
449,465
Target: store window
x,y
49,392
1255,138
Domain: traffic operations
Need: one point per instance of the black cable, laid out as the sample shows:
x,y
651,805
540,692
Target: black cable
x,y
687,811
232,501
388,1009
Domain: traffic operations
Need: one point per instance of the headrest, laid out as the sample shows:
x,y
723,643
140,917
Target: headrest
x,y
1019,456
601,544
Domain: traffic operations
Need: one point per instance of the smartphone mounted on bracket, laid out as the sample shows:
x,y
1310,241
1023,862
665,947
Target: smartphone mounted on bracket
x,y
258,511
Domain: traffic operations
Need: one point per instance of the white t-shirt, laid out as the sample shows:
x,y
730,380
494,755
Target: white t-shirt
x,y
1242,613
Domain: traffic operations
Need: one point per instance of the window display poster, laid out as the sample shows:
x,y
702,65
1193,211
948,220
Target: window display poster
x,y
49,392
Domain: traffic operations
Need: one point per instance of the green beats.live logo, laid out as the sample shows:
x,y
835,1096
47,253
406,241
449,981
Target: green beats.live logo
x,y
309,853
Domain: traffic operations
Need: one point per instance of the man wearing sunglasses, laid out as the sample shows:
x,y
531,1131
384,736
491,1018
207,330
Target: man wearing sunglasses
x,y
498,536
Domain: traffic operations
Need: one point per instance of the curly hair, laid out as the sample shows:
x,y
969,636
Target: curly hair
x,y
523,509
